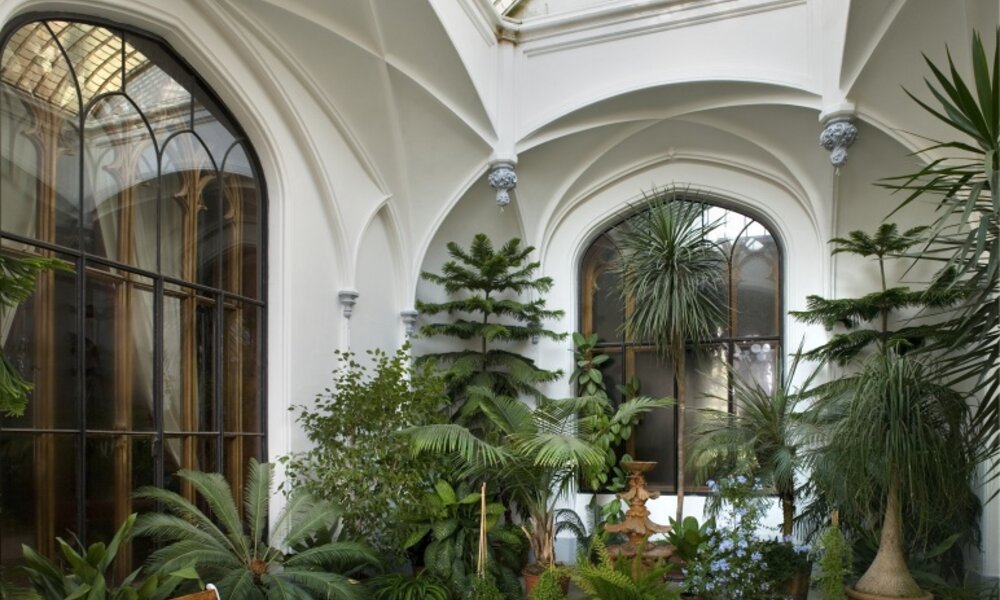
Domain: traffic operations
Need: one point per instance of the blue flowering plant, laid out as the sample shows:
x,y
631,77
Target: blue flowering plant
x,y
733,564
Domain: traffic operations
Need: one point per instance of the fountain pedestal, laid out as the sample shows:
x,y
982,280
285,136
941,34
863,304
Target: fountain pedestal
x,y
637,525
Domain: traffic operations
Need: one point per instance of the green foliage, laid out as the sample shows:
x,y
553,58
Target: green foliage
x,y
766,431
484,588
17,283
672,274
358,460
88,577
608,427
396,586
621,580
965,186
688,536
241,557
549,586
532,454
875,309
833,564
488,283
450,518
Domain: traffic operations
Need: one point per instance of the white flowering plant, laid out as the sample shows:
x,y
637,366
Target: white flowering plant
x,y
733,564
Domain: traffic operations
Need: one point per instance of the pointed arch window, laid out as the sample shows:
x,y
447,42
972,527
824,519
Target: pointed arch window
x,y
147,356
748,345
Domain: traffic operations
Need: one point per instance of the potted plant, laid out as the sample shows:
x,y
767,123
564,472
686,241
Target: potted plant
x,y
671,273
833,562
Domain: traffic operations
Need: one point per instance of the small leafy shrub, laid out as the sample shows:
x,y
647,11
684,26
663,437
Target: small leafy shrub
x,y
732,564
449,516
549,585
622,580
688,536
238,557
485,588
358,461
396,586
88,578
834,560
784,559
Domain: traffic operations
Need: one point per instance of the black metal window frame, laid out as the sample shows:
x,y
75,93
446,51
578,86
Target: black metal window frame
x,y
81,259
729,342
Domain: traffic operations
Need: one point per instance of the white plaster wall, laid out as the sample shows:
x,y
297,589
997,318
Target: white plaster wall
x,y
378,283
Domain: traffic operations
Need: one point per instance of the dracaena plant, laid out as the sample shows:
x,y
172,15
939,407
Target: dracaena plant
x,y
299,558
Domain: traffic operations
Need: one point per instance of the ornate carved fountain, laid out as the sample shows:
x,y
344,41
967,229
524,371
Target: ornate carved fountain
x,y
637,525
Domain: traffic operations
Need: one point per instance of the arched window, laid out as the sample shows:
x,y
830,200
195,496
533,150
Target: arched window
x,y
749,345
147,355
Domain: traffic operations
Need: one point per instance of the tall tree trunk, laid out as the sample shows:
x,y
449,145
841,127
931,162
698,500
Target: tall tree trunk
x,y
788,514
888,574
681,376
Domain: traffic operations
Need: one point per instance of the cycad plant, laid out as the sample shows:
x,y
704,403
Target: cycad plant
x,y
767,430
671,273
299,558
486,286
17,282
622,580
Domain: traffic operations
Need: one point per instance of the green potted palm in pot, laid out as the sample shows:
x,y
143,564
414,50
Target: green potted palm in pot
x,y
896,442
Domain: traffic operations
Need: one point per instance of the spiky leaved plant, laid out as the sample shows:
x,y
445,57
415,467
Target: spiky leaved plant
x,y
294,560
767,429
17,282
671,273
486,286
896,443
962,178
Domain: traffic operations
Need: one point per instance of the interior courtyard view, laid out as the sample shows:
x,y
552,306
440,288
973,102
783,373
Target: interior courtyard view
x,y
499,299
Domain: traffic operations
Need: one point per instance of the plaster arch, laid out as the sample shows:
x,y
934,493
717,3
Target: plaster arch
x,y
379,284
614,100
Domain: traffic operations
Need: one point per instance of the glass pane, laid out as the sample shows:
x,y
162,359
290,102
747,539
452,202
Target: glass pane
x,y
96,56
241,221
38,493
238,452
655,438
707,388
119,351
241,369
18,165
190,230
755,273
757,363
153,81
40,339
34,64
116,467
188,452
188,363
121,170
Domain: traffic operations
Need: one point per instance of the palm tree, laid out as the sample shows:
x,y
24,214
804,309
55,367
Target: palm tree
x,y
299,558
671,273
534,454
766,429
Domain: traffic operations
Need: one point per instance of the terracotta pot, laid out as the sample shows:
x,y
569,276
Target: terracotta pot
x,y
856,595
797,588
